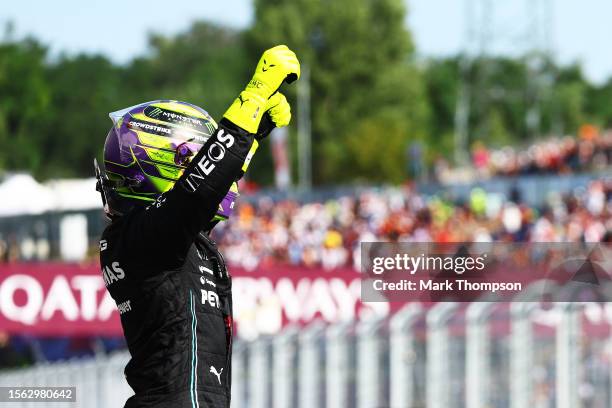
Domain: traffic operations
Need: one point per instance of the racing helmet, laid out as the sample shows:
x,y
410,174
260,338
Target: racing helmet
x,y
147,150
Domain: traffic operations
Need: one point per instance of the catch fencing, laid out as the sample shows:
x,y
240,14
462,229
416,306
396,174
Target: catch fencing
x,y
476,355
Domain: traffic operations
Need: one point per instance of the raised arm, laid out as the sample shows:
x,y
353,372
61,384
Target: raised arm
x,y
169,225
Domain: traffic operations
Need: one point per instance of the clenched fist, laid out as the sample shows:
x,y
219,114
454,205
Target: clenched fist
x,y
276,65
278,114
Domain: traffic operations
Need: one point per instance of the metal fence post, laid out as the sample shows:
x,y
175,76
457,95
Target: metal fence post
x,y
311,371
478,356
437,355
259,373
521,341
521,357
86,371
401,349
239,374
609,344
283,357
22,378
369,373
337,367
568,356
63,378
118,390
37,379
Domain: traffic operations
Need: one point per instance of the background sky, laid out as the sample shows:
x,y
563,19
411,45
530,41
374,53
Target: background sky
x,y
119,29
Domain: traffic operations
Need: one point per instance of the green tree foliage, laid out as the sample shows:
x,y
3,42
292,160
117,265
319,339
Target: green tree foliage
x,y
53,115
370,99
566,109
599,104
441,78
367,98
499,96
206,66
74,126
24,98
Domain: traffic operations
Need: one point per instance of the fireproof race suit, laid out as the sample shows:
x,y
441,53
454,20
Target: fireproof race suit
x,y
171,284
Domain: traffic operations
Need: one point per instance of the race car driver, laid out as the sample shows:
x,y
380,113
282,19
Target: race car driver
x,y
169,176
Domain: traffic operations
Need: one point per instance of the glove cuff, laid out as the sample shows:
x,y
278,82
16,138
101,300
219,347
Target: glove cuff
x,y
247,111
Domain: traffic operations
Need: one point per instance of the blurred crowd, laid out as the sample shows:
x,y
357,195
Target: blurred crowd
x,y
591,151
328,234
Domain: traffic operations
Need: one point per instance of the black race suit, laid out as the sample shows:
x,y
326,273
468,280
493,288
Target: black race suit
x,y
171,285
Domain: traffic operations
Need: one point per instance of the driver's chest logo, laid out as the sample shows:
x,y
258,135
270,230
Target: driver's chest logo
x,y
208,297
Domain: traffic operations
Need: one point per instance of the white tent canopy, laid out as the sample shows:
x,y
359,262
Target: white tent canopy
x,y
21,194
75,194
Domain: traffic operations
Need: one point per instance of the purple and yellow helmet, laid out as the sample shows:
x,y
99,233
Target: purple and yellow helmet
x,y
147,150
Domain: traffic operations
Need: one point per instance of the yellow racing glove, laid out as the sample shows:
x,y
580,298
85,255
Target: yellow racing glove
x,y
278,114
276,65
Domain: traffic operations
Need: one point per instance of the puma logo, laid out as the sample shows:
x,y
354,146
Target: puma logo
x,y
218,374
242,101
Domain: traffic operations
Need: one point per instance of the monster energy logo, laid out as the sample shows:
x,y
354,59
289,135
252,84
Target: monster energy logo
x,y
198,124
154,113
210,127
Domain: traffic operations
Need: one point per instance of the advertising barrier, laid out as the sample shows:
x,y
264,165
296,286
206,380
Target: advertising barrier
x,y
68,299
62,299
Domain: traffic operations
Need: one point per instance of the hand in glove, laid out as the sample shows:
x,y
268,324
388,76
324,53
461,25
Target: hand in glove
x,y
278,114
277,65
